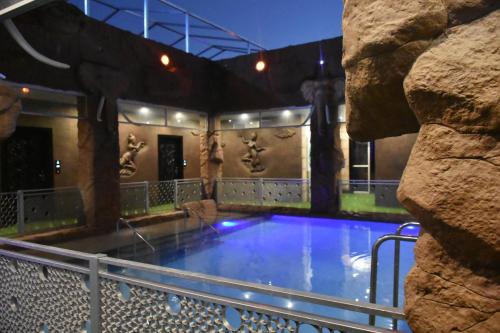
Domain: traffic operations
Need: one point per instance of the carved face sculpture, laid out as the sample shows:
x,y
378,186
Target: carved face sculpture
x,y
10,108
436,64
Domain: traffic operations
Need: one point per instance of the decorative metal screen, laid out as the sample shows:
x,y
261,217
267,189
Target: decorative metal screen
x,y
239,191
8,210
46,209
39,298
131,308
133,199
287,191
161,195
188,190
41,295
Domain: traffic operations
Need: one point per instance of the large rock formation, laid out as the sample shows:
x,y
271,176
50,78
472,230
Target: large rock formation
x,y
448,54
10,108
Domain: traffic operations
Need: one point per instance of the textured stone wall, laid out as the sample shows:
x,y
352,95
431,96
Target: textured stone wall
x,y
437,64
10,108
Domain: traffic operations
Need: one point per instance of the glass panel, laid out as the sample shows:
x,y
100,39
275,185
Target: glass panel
x,y
341,113
240,120
285,117
141,114
47,103
183,118
358,153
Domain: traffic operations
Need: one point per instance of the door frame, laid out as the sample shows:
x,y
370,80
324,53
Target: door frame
x,y
49,151
180,141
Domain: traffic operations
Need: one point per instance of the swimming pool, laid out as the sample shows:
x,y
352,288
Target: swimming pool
x,y
325,256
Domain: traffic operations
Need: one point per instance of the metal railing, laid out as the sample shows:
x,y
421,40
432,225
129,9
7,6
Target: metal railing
x,y
376,196
39,210
201,221
168,20
397,238
30,211
94,296
136,234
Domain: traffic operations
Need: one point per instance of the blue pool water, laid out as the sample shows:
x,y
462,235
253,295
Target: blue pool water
x,y
325,256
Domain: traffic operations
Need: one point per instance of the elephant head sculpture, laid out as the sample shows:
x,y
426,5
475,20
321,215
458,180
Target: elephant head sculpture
x,y
10,107
324,96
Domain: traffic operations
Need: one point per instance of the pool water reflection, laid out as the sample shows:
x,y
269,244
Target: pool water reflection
x,y
325,256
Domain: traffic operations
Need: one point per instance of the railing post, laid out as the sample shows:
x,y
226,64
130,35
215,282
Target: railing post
x,y
146,18
20,213
176,193
146,199
186,32
260,191
95,294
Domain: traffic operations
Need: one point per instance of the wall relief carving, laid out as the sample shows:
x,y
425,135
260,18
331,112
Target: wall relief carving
x,y
128,167
252,158
284,133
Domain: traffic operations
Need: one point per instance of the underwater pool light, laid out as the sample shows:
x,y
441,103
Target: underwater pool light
x,y
229,224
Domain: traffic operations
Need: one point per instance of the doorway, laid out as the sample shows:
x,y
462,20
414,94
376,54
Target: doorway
x,y
360,169
26,160
170,157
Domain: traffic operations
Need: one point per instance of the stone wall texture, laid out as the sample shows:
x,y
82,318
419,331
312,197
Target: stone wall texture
x,y
10,108
440,62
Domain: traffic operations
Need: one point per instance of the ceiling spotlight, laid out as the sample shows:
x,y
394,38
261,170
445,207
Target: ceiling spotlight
x,y
244,116
287,113
260,66
178,115
165,60
25,90
143,111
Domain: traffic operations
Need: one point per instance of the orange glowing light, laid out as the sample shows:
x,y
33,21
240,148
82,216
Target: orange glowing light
x,y
165,60
25,90
260,66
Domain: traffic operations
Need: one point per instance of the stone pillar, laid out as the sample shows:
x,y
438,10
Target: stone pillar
x,y
211,157
98,176
98,145
326,154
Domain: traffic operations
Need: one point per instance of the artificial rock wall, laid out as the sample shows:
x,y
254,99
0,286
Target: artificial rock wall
x,y
436,64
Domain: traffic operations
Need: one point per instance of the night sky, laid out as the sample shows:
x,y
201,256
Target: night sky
x,y
271,23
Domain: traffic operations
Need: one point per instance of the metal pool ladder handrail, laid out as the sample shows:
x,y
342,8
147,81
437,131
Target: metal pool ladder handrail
x,y
398,238
200,220
136,234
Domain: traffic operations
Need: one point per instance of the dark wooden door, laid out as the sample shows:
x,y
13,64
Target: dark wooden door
x,y
170,157
26,160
